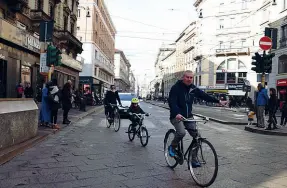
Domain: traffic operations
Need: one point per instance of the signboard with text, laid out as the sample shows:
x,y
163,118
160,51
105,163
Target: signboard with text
x,y
235,86
43,60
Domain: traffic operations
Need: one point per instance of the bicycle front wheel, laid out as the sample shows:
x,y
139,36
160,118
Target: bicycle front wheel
x,y
171,161
144,136
131,132
203,153
117,121
108,122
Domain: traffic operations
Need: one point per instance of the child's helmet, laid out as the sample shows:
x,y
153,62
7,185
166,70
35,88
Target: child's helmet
x,y
135,100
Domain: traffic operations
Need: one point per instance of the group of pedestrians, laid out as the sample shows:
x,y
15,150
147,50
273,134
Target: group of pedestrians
x,y
52,100
264,105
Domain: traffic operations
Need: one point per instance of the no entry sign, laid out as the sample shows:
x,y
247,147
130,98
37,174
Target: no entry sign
x,y
265,43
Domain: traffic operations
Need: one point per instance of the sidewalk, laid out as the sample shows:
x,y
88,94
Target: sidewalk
x,y
282,131
43,132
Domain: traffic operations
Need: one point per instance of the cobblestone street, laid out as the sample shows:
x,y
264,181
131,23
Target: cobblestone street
x,y
88,154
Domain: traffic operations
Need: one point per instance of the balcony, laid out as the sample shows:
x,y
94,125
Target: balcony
x,y
233,30
70,40
37,16
71,62
232,51
106,66
283,42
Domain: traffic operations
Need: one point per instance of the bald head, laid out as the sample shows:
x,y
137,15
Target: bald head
x,y
187,77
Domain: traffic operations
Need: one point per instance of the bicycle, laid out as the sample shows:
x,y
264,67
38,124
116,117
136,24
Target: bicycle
x,y
195,148
141,131
115,120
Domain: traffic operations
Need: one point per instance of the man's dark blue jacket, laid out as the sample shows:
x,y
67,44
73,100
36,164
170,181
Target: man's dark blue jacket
x,y
181,99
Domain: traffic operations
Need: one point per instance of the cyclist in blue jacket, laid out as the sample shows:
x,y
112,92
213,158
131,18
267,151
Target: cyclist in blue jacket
x,y
181,98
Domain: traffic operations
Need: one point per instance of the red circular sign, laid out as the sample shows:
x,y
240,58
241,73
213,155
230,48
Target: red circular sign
x,y
265,43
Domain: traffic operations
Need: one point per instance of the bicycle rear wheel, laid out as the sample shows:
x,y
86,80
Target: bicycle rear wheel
x,y
144,136
204,153
117,121
169,136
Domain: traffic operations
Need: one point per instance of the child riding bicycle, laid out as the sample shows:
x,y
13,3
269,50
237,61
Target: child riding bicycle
x,y
135,108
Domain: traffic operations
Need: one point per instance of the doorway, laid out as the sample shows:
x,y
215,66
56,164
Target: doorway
x,y
3,78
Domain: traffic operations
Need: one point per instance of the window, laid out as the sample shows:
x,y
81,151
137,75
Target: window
x,y
79,13
284,32
39,4
78,28
232,64
72,28
231,78
221,23
65,23
241,77
220,78
81,38
232,44
232,22
221,46
73,3
244,4
282,64
243,43
241,65
51,10
97,18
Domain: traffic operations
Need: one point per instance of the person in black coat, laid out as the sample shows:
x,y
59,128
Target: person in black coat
x,y
29,92
54,103
272,108
66,101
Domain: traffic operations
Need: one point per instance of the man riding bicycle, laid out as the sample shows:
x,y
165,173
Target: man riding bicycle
x,y
180,102
111,97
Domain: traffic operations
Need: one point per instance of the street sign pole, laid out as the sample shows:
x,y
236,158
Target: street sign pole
x,y
265,43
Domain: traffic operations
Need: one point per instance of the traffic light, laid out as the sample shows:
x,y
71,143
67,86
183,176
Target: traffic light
x,y
258,63
53,56
268,62
59,58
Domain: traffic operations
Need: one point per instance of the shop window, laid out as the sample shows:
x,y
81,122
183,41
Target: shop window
x,y
220,78
25,75
231,78
282,68
241,77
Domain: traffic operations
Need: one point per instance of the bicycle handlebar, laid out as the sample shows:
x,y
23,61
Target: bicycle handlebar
x,y
205,119
140,115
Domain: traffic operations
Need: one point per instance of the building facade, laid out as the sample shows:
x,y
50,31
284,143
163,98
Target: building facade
x,y
132,80
65,16
226,45
122,71
97,32
20,46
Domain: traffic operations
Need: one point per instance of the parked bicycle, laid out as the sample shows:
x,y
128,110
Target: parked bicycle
x,y
114,119
139,129
194,151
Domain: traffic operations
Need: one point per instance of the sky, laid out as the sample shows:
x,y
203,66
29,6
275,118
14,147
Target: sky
x,y
144,25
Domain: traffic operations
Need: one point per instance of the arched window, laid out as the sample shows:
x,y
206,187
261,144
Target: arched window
x,y
282,64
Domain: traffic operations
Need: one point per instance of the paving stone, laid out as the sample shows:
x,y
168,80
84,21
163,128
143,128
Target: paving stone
x,y
141,181
17,182
54,178
19,174
49,171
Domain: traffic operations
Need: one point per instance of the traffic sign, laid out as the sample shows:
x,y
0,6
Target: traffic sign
x,y
265,43
43,60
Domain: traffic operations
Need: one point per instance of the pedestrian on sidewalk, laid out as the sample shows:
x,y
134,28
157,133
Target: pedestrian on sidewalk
x,y
261,102
20,90
45,112
284,114
66,101
29,92
272,108
54,103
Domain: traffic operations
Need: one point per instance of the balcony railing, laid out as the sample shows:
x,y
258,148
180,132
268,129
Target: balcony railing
x,y
37,16
108,67
232,51
71,62
283,42
68,36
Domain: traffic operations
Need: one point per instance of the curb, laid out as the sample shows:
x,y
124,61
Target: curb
x,y
9,153
210,118
265,132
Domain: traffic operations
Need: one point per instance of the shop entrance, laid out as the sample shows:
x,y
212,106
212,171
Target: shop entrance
x,y
3,78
